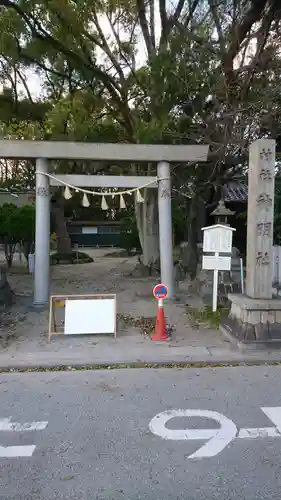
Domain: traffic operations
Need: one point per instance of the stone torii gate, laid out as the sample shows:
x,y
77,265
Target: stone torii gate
x,y
42,151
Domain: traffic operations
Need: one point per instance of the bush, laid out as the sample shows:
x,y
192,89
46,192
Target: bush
x,y
70,258
17,226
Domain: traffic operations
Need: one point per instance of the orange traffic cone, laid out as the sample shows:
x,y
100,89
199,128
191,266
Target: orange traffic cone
x,y
160,326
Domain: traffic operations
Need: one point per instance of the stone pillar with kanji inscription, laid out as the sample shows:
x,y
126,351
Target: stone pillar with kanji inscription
x,y
260,219
255,317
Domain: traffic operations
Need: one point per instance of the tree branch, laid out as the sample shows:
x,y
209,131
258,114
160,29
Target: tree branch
x,y
152,22
40,33
214,12
262,38
22,79
240,30
164,23
106,49
131,65
192,9
144,28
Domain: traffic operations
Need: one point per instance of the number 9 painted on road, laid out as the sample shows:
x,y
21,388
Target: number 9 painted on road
x,y
217,439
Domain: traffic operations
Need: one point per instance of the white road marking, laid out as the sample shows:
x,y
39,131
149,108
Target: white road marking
x,y
260,432
218,439
8,426
274,414
16,451
19,451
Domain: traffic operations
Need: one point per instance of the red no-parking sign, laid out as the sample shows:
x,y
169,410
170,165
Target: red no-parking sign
x,y
160,291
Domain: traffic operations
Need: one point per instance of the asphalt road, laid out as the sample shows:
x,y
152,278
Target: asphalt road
x,y
98,444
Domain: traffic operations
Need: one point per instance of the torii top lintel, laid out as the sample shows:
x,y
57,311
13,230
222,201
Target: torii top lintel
x,y
21,149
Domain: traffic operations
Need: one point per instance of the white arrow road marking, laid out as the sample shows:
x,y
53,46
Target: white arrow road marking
x,y
274,414
218,439
19,451
16,451
6,425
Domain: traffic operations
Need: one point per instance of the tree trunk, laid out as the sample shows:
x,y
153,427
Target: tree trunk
x,y
7,297
9,249
27,247
62,236
147,223
191,256
201,219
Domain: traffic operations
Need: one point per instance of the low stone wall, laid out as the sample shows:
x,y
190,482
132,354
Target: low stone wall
x,y
253,319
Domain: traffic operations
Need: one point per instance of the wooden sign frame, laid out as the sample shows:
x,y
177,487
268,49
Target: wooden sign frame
x,y
59,301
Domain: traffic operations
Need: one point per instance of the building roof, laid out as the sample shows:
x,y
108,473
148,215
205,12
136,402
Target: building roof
x,y
235,192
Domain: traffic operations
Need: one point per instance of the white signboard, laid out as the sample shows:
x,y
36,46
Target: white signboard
x,y
220,263
86,316
217,439
217,238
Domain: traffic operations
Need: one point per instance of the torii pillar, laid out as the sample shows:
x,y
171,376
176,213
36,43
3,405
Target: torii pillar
x,y
42,235
165,227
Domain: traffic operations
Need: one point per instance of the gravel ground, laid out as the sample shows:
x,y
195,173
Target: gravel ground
x,y
24,328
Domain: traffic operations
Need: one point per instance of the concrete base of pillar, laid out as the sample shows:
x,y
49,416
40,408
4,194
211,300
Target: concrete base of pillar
x,y
255,322
39,307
